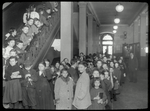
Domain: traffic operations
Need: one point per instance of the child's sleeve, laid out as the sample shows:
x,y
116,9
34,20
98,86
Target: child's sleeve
x,y
34,75
83,87
92,94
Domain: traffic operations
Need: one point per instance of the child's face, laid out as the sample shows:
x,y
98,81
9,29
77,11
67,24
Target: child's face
x,y
12,62
28,68
81,68
41,12
48,11
20,45
111,64
66,61
116,65
47,63
41,67
97,83
57,65
61,67
111,70
106,74
105,66
11,43
120,61
96,74
65,74
30,22
99,64
14,33
52,69
105,59
25,30
37,23
13,53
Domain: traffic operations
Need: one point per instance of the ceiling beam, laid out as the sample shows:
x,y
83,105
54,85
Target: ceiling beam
x,y
114,24
142,8
91,9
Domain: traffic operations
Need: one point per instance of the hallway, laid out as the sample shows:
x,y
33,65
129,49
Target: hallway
x,y
134,95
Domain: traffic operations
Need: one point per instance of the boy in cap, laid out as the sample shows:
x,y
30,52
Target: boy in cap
x,y
28,86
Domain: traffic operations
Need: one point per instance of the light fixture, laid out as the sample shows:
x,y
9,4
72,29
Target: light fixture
x,y
116,20
114,31
115,27
119,8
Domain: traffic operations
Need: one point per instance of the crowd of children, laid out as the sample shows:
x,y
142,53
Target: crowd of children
x,y
86,82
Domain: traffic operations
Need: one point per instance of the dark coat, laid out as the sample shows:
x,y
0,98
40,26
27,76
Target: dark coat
x,y
132,63
117,73
25,82
13,91
44,92
73,73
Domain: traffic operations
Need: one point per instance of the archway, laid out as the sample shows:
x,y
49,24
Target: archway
x,y
107,40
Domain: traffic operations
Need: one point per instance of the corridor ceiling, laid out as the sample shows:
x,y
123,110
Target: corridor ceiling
x,y
106,12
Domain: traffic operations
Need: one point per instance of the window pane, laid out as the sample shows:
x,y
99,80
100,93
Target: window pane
x,y
110,50
107,42
107,37
104,48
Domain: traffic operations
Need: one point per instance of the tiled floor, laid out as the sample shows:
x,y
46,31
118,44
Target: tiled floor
x,y
134,95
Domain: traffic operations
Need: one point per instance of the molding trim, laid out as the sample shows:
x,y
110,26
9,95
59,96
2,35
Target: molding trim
x,y
91,9
143,9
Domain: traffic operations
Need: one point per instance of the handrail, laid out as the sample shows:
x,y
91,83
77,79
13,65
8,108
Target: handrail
x,y
47,45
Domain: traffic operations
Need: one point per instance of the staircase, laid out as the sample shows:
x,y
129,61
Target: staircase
x,y
42,42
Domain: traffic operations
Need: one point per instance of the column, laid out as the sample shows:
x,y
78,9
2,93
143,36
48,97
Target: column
x,y
94,37
66,30
97,38
82,27
135,32
90,33
143,40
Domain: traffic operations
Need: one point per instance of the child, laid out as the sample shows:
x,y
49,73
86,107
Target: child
x,y
12,34
33,13
64,91
25,38
108,87
82,99
19,49
117,72
42,17
28,86
57,64
32,28
10,46
13,91
122,69
95,74
26,16
99,65
47,62
98,96
43,89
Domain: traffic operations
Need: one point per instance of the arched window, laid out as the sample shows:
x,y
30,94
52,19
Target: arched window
x,y
107,43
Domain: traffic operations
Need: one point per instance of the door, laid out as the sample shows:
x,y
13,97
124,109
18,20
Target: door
x,y
109,48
